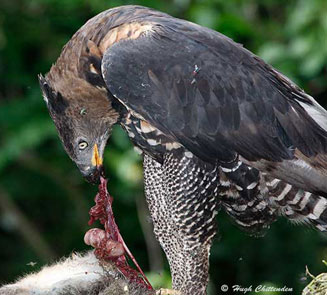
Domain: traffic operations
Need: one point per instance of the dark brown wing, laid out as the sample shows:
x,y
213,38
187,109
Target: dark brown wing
x,y
212,95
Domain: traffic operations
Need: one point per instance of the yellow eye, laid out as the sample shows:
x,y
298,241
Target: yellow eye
x,y
82,145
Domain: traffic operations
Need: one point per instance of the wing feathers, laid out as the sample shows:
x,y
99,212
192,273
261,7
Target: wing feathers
x,y
217,99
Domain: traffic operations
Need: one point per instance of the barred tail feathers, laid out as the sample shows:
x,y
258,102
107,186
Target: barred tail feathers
x,y
298,205
255,199
243,198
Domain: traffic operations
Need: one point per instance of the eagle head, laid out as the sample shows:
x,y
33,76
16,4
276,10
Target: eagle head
x,y
83,116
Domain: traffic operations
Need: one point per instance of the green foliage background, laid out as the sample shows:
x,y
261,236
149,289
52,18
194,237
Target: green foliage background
x,y
44,201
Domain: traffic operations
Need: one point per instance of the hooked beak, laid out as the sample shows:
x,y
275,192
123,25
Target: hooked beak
x,y
93,173
96,158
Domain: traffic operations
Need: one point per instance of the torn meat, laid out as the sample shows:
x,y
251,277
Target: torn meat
x,y
108,243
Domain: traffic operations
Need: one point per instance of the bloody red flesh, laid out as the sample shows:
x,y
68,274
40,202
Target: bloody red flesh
x,y
102,211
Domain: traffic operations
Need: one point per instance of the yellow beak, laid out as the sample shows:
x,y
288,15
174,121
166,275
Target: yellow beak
x,y
96,159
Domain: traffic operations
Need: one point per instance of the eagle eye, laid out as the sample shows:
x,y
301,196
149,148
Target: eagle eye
x,y
82,145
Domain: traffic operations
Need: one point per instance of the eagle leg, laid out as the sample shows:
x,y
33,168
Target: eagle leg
x,y
182,197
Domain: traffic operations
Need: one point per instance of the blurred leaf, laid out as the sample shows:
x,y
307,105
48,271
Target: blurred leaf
x,y
301,46
162,280
204,16
272,52
31,135
314,63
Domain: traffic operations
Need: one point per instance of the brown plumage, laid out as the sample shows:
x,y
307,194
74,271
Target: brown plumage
x,y
217,126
